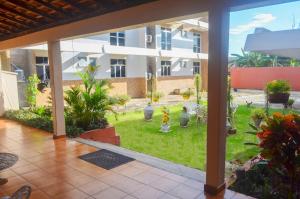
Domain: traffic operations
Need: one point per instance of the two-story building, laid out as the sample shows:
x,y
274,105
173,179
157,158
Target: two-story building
x,y
172,52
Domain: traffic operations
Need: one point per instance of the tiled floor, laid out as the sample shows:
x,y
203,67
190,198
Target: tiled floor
x,y
52,169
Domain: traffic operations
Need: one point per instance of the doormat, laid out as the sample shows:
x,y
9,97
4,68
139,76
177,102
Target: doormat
x,y
106,159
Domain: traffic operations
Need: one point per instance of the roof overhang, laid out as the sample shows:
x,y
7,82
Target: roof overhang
x,y
281,43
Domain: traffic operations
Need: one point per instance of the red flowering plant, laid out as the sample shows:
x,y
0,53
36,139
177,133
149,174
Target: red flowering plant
x,y
279,141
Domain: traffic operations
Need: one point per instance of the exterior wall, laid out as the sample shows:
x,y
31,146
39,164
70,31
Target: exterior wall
x,y
5,60
8,92
258,77
167,85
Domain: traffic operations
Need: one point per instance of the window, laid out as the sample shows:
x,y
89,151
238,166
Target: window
x,y
117,38
165,68
118,68
197,43
183,64
196,68
85,61
42,68
166,38
184,33
93,61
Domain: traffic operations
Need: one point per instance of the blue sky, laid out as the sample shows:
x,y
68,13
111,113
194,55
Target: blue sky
x,y
277,17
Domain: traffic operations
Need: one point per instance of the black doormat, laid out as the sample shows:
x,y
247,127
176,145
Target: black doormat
x,y
106,159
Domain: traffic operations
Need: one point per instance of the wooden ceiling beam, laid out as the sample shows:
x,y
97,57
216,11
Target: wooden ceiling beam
x,y
12,28
50,6
12,21
15,12
5,30
74,4
30,8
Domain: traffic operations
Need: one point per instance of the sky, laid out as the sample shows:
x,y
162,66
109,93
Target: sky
x,y
277,17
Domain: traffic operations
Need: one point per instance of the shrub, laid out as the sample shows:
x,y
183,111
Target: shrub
x,y
32,119
122,100
198,82
258,114
31,90
187,94
278,86
42,111
89,105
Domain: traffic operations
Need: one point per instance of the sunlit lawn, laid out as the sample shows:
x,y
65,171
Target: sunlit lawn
x,y
185,146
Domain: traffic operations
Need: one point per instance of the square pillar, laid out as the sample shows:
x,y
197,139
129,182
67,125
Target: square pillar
x,y
56,84
217,100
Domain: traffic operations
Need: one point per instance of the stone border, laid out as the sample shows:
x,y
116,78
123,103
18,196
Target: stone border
x,y
177,169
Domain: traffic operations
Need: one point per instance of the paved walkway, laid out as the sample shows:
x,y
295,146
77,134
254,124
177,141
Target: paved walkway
x,y
52,169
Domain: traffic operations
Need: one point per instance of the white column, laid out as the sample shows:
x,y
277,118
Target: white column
x,y
217,84
56,84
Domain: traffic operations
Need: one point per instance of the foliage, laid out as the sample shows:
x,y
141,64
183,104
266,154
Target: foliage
x,y
43,122
31,90
254,182
122,100
278,86
280,146
156,96
255,59
258,114
198,83
290,103
42,111
187,94
250,59
31,119
88,106
165,116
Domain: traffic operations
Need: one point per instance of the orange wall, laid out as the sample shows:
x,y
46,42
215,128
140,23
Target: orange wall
x,y
257,77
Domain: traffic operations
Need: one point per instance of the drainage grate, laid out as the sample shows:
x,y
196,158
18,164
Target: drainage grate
x,y
106,159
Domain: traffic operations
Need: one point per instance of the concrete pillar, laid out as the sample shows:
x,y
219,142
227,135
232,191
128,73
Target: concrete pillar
x,y
56,84
217,84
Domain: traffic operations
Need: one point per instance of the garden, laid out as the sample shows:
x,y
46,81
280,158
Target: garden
x,y
263,137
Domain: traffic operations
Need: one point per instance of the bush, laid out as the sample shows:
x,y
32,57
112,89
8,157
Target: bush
x,y
31,90
90,104
278,86
122,100
32,119
258,114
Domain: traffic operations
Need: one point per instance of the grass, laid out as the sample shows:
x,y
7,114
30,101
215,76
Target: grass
x,y
185,146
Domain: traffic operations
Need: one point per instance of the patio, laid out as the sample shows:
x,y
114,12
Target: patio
x,y
52,169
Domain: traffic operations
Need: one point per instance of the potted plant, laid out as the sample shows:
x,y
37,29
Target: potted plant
x,y
187,94
184,117
87,108
278,91
148,112
165,126
258,115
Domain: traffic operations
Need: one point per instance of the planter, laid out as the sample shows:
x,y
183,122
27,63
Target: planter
x,y
148,112
106,135
279,98
186,97
184,119
165,128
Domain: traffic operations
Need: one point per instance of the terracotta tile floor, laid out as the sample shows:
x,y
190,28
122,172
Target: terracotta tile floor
x,y
52,169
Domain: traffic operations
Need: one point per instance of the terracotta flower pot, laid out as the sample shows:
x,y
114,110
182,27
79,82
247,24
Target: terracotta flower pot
x,y
279,98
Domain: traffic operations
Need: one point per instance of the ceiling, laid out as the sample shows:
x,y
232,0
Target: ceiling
x,y
20,17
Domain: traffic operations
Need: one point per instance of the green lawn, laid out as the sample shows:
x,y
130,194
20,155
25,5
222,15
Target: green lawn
x,y
186,146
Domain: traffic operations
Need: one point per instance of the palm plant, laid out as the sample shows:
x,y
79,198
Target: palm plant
x,y
87,106
251,59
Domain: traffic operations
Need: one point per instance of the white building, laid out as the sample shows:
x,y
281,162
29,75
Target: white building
x,y
173,52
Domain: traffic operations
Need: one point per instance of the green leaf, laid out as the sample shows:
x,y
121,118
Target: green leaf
x,y
251,132
250,144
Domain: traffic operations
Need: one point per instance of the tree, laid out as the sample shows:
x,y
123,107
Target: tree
x,y
251,59
31,90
